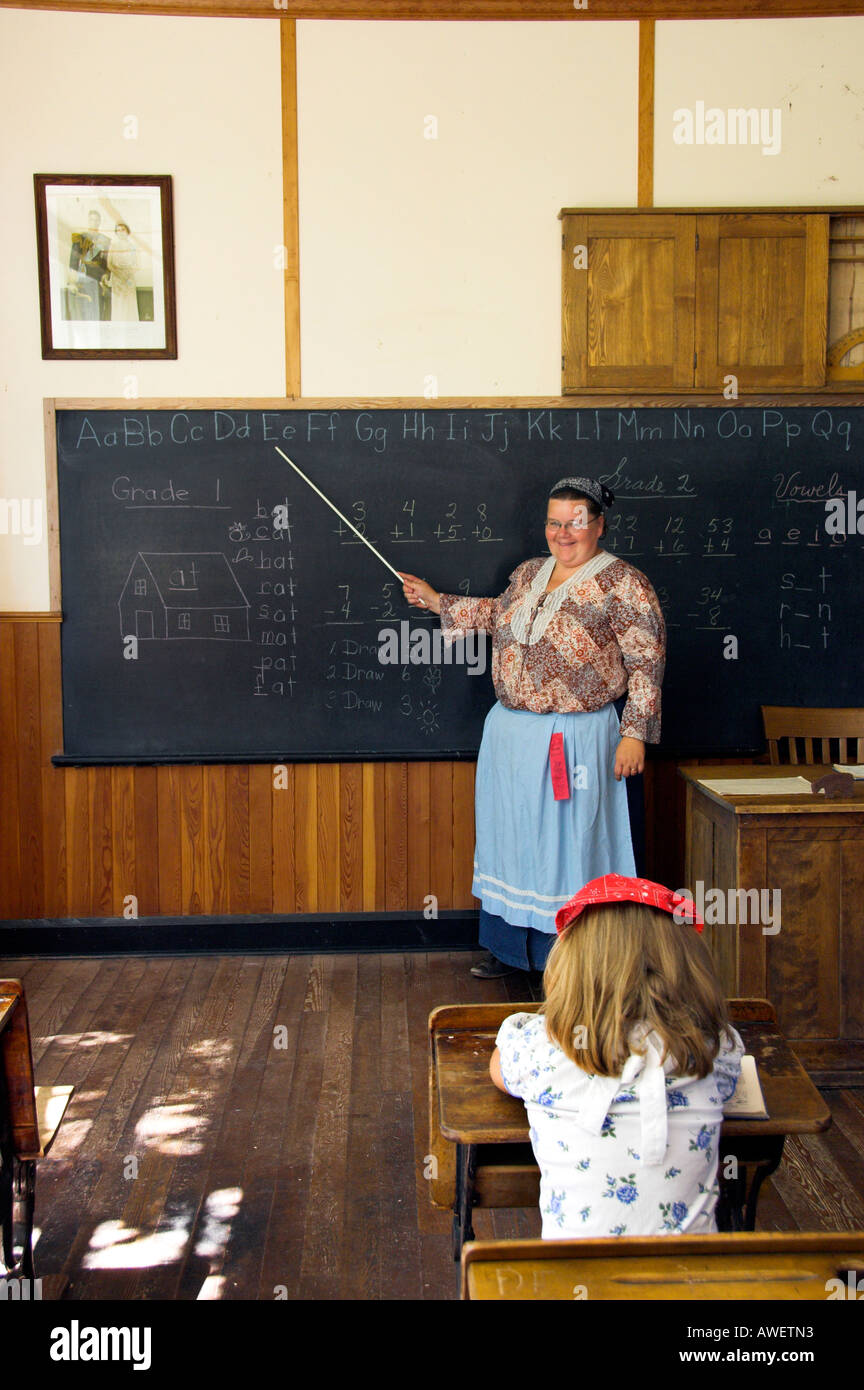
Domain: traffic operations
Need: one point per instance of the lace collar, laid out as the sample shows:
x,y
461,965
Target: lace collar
x,y
536,609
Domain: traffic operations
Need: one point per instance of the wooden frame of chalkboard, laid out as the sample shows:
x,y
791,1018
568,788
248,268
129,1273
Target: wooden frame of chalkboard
x,y
718,502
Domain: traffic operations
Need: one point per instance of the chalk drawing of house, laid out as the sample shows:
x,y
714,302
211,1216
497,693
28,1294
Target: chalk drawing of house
x,y
183,595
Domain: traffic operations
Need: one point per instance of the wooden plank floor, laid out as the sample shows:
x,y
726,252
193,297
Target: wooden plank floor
x,y
255,1127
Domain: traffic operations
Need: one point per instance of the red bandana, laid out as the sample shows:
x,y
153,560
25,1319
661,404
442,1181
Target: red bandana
x,y
614,888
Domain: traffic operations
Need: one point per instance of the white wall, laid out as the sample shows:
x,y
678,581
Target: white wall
x,y
811,70
440,257
206,94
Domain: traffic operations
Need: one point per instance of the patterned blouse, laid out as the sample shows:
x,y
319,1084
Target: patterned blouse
x,y
576,649
634,1154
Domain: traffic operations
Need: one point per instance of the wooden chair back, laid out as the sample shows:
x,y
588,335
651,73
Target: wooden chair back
x,y
741,1265
825,735
16,1058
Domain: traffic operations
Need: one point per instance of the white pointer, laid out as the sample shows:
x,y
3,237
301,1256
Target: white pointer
x,y
340,514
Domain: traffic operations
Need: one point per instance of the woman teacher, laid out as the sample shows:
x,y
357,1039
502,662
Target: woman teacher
x,y
574,633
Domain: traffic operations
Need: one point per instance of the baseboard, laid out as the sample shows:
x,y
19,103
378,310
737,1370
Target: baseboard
x,y
290,933
831,1064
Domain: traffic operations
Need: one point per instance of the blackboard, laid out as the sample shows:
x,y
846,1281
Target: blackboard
x,y
257,640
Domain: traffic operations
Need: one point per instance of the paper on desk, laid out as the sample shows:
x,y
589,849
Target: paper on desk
x,y
747,1100
856,769
757,786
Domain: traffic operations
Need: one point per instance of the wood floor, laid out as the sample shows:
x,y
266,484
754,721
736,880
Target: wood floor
x,y
255,1127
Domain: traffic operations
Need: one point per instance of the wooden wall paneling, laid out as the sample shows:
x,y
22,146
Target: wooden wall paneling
x,y
419,882
124,877
147,866
77,842
53,778
373,837
440,833
169,849
261,837
329,838
351,837
101,813
10,873
283,840
306,836
28,744
237,795
463,834
192,846
216,824
396,835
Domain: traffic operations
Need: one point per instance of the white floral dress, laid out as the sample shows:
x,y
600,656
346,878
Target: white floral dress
x,y
629,1155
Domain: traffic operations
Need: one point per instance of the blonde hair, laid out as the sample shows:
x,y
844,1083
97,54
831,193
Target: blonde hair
x,y
623,964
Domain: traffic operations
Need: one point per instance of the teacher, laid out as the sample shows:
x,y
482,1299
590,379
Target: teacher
x,y
574,635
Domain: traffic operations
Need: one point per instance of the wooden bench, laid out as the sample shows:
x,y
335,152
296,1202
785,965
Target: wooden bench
x,y
743,1266
30,1116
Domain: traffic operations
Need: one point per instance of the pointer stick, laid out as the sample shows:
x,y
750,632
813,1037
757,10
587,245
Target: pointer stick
x,y
338,513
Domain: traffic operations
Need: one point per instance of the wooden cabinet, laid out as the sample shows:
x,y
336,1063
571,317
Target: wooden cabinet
x,y
628,315
669,300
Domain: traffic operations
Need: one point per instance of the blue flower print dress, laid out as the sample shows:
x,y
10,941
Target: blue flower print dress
x,y
629,1155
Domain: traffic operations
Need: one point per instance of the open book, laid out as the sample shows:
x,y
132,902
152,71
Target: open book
x,y
747,1102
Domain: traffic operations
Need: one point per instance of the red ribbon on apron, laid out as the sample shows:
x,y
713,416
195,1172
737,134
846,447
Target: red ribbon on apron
x,y
558,768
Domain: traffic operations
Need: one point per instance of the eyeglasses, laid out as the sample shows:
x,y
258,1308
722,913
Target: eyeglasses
x,y
556,526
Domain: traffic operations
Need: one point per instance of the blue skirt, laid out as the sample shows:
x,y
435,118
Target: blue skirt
x,y
533,852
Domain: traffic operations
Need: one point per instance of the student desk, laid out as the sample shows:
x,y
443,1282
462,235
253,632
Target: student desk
x,y
490,1161
810,850
785,1265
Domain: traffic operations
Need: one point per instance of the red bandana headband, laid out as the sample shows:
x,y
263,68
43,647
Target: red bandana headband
x,y
614,888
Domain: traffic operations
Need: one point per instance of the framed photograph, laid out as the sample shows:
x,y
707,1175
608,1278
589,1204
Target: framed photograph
x,y
106,265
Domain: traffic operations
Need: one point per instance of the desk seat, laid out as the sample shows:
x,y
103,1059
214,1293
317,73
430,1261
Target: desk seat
x,y
743,1266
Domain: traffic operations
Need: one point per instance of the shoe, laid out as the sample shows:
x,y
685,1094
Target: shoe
x,y
489,967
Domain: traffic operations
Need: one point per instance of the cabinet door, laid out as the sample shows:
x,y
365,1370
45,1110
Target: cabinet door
x,y
628,300
761,299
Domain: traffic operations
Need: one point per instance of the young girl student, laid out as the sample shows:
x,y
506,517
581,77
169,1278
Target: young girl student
x,y
625,1070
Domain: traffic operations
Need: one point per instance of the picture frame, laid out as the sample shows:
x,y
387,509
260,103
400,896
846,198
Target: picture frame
x,y
106,265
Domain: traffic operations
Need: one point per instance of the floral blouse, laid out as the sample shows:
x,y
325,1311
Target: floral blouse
x,y
576,649
629,1155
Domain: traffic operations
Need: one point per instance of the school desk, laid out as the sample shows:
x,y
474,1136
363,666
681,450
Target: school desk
x,y
479,1135
29,1119
744,1266
810,851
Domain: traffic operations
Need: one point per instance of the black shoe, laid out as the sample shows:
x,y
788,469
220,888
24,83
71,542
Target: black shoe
x,y
489,967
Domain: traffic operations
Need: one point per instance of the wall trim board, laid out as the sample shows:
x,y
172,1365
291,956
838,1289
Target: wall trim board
x,y
467,10
793,396
645,161
288,934
31,617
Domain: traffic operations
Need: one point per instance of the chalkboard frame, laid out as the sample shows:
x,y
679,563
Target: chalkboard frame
x,y
851,397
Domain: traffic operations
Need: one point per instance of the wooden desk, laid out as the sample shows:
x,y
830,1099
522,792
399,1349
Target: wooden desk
x,y
482,1122
811,850
772,1266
